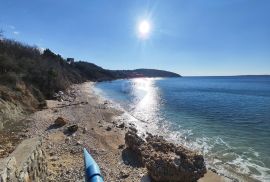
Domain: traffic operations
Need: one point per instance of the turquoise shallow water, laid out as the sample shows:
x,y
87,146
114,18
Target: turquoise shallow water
x,y
226,118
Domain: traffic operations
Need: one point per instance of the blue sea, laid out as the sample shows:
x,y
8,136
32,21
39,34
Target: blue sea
x,y
227,119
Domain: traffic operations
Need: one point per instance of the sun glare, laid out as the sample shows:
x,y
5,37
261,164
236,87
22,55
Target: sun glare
x,y
144,29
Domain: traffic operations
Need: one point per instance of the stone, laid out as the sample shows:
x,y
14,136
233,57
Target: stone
x,y
67,139
133,129
54,158
73,128
84,130
123,174
166,161
122,125
60,121
79,142
108,128
121,146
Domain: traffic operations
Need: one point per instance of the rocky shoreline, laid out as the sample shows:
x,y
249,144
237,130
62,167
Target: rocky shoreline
x,y
80,118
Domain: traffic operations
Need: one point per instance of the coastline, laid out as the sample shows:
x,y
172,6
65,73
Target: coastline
x,y
99,131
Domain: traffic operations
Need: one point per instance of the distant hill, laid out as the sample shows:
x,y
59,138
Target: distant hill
x,y
144,73
29,76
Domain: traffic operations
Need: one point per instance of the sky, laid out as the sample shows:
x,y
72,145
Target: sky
x,y
198,37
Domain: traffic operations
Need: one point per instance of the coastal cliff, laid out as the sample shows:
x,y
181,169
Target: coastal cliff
x,y
28,76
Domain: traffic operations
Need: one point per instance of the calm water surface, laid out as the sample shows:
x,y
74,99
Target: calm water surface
x,y
226,118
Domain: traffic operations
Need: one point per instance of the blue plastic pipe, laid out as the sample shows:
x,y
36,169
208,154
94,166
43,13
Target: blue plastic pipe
x,y
92,171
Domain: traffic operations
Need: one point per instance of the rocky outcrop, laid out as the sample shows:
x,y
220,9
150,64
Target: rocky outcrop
x,y
166,161
27,163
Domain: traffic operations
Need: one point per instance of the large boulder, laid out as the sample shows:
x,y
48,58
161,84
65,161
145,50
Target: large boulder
x,y
166,161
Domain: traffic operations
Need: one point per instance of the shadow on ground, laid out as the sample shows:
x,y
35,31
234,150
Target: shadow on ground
x,y
53,126
130,158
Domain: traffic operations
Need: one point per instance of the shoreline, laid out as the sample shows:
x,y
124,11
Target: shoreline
x,y
99,131
222,169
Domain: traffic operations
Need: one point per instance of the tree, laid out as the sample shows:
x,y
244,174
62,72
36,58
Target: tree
x,y
1,33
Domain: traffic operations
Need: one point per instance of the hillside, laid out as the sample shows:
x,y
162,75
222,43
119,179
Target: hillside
x,y
28,76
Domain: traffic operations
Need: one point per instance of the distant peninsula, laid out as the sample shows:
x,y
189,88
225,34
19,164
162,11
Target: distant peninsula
x,y
144,73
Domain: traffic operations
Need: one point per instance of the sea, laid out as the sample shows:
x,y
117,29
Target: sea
x,y
227,119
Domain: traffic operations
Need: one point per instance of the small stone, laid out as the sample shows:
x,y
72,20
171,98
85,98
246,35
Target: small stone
x,y
123,174
122,125
133,129
60,121
51,153
108,128
73,151
79,142
121,146
54,158
84,130
68,139
73,128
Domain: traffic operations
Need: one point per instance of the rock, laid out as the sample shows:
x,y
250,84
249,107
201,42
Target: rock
x,y
133,129
108,128
123,174
73,128
79,142
213,170
51,153
121,146
61,93
54,158
84,130
166,161
122,125
60,121
68,139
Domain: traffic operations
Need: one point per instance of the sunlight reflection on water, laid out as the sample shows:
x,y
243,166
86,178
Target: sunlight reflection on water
x,y
145,98
203,115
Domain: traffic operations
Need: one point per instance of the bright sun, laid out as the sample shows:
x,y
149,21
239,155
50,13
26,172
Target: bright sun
x,y
144,28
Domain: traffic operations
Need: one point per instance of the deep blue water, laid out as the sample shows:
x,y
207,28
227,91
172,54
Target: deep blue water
x,y
227,118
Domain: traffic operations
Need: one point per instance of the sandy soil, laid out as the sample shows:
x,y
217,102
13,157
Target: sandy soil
x,y
98,132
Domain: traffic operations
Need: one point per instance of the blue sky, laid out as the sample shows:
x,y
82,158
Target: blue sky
x,y
199,37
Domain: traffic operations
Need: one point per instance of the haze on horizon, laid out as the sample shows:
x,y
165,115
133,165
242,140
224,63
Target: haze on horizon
x,y
225,37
